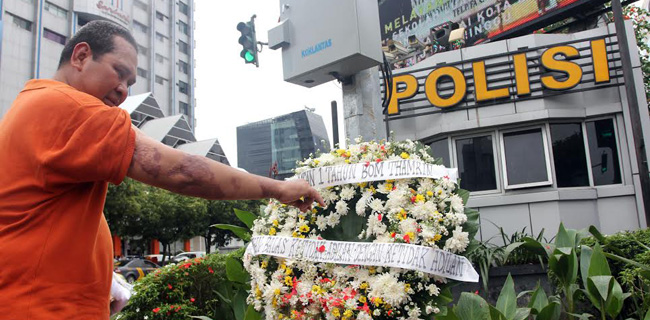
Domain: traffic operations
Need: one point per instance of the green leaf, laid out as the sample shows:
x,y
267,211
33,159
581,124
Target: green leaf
x,y
507,303
538,300
565,238
472,225
628,261
495,314
224,299
449,315
235,272
464,194
584,316
511,247
614,303
248,218
201,317
600,287
598,265
647,316
472,307
240,232
252,314
551,312
239,304
585,260
594,231
542,249
522,314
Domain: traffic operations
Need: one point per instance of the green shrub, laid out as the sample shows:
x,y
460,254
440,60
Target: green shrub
x,y
196,287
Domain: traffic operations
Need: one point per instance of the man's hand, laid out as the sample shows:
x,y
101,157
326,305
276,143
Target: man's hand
x,y
299,194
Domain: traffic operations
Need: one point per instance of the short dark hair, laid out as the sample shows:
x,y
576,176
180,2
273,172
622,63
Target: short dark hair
x,y
99,35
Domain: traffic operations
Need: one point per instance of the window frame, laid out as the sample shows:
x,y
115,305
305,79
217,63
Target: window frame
x,y
495,154
58,11
187,47
504,165
182,5
16,18
56,34
621,166
182,84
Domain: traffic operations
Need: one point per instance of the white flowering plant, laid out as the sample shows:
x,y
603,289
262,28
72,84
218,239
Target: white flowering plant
x,y
419,211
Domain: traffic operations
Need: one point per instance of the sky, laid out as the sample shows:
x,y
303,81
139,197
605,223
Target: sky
x,y
230,93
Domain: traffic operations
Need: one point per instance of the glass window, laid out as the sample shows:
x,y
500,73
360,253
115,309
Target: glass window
x,y
476,163
182,7
183,47
440,149
603,152
140,27
160,58
143,50
160,16
160,37
140,4
51,35
183,87
22,23
182,27
183,108
160,80
569,155
55,10
525,158
183,66
143,73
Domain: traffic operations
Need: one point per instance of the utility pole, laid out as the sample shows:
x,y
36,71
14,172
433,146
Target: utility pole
x,y
363,114
633,106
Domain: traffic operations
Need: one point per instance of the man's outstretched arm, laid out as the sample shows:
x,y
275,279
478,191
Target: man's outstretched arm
x,y
159,165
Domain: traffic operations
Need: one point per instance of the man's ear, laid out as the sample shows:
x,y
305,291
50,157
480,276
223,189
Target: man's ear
x,y
80,55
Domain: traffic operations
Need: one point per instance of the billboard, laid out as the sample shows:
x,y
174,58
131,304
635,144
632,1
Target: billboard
x,y
417,26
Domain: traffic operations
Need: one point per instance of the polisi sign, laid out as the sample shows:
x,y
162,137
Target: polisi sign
x,y
563,74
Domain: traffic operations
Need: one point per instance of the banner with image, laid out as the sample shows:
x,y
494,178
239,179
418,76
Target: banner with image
x,y
397,255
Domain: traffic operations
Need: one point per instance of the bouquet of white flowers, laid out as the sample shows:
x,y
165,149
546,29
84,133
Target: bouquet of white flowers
x,y
384,246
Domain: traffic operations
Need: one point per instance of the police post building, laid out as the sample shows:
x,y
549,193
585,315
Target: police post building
x,y
538,127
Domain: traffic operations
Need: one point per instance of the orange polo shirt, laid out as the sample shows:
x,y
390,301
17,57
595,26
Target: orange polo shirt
x,y
59,148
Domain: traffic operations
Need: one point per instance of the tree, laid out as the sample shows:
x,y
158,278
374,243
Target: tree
x,y
221,211
123,207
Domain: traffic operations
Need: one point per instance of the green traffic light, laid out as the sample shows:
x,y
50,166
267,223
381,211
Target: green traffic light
x,y
249,57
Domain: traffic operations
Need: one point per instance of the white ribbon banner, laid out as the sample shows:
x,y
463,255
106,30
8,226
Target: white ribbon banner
x,y
322,177
399,255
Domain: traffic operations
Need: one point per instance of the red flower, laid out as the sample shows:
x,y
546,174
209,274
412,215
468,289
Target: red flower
x,y
192,299
169,286
392,234
321,249
476,292
210,270
407,238
156,310
378,160
379,217
367,163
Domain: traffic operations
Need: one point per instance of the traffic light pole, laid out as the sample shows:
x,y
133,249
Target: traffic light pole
x,y
362,109
633,106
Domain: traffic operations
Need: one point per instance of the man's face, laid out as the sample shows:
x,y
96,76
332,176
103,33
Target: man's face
x,y
109,77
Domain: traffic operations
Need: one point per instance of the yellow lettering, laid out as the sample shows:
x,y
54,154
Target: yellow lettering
x,y
414,14
599,56
431,87
411,90
480,84
571,69
521,74
388,27
397,23
404,22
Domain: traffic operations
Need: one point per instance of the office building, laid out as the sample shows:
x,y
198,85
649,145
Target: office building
x,y
280,142
35,31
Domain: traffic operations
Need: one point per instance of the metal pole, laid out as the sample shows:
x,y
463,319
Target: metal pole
x,y
633,105
335,124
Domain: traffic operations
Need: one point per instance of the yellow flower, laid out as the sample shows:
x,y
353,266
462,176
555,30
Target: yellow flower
x,y
363,286
372,270
419,198
277,292
316,289
401,215
295,234
430,193
314,211
372,189
407,287
265,264
258,292
362,185
272,231
389,186
283,266
377,301
288,271
336,312
437,237
316,162
347,161
340,152
276,222
347,154
362,299
288,281
304,228
301,217
411,235
404,155
348,313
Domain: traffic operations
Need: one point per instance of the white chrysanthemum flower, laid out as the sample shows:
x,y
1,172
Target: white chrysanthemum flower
x,y
376,205
341,207
333,219
327,159
414,313
458,242
456,219
388,288
384,238
408,225
364,316
425,185
361,206
447,183
328,196
347,193
440,192
321,222
374,226
456,203
433,290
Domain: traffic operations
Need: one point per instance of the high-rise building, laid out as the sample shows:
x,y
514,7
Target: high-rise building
x,y
35,31
279,142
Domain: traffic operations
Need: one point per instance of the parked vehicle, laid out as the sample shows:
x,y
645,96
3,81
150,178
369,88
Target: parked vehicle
x,y
158,258
188,255
135,269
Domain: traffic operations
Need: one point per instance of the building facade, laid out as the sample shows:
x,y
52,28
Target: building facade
x,y
280,142
35,31
538,126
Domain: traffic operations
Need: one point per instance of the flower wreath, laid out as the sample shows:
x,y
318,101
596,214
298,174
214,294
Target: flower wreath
x,y
421,211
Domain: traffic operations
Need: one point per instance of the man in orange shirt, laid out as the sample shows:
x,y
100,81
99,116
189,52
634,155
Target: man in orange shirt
x,y
62,142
